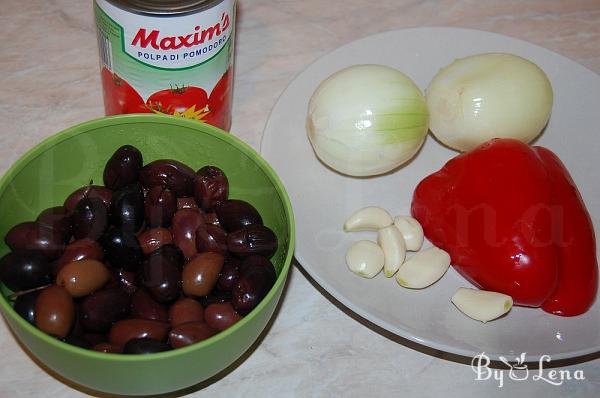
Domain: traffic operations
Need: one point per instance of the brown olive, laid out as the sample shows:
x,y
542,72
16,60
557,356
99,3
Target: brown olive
x,y
211,218
90,218
254,239
79,250
211,187
58,218
185,310
159,206
169,173
37,238
108,348
211,238
154,238
190,333
123,331
83,277
234,214
200,274
145,307
221,316
88,191
184,226
123,167
55,311
187,203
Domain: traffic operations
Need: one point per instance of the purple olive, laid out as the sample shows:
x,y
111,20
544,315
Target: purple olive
x,y
252,286
159,206
122,249
257,260
215,297
171,251
127,207
211,187
171,174
25,306
145,307
211,238
187,203
254,239
88,191
24,270
123,167
184,226
145,346
101,309
234,214
37,238
229,274
77,341
90,219
160,274
58,218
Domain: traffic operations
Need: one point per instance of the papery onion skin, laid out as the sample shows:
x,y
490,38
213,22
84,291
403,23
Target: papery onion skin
x,y
485,96
366,120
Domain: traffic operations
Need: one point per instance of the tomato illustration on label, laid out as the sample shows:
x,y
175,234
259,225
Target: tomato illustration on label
x,y
186,101
119,96
219,102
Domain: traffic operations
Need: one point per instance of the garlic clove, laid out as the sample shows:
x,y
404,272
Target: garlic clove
x,y
370,218
394,249
365,258
412,232
423,269
481,305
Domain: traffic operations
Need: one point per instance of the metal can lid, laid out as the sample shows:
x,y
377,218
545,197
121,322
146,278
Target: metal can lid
x,y
164,7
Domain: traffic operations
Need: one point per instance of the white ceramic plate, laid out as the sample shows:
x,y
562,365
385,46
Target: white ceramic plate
x,y
322,198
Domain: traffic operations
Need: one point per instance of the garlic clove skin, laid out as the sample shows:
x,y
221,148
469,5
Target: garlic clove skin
x,y
481,305
370,218
412,232
394,249
423,269
365,258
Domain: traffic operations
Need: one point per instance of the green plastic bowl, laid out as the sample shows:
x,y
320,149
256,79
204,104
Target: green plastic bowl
x,y
44,177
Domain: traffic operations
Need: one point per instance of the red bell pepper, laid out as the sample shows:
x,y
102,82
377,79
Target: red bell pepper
x,y
513,221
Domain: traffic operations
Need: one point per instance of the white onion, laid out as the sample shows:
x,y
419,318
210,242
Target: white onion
x,y
487,96
367,120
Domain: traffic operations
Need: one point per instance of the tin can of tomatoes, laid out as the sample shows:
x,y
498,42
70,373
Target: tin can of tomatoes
x,y
167,56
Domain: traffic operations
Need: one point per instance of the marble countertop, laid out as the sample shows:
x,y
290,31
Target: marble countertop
x,y
314,347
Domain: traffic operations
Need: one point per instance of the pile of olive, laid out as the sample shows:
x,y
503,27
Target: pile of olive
x,y
157,258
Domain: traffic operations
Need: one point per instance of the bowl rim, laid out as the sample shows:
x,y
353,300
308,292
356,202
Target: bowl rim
x,y
225,136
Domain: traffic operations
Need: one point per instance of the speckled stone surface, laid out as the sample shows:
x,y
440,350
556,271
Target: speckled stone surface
x,y
314,347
